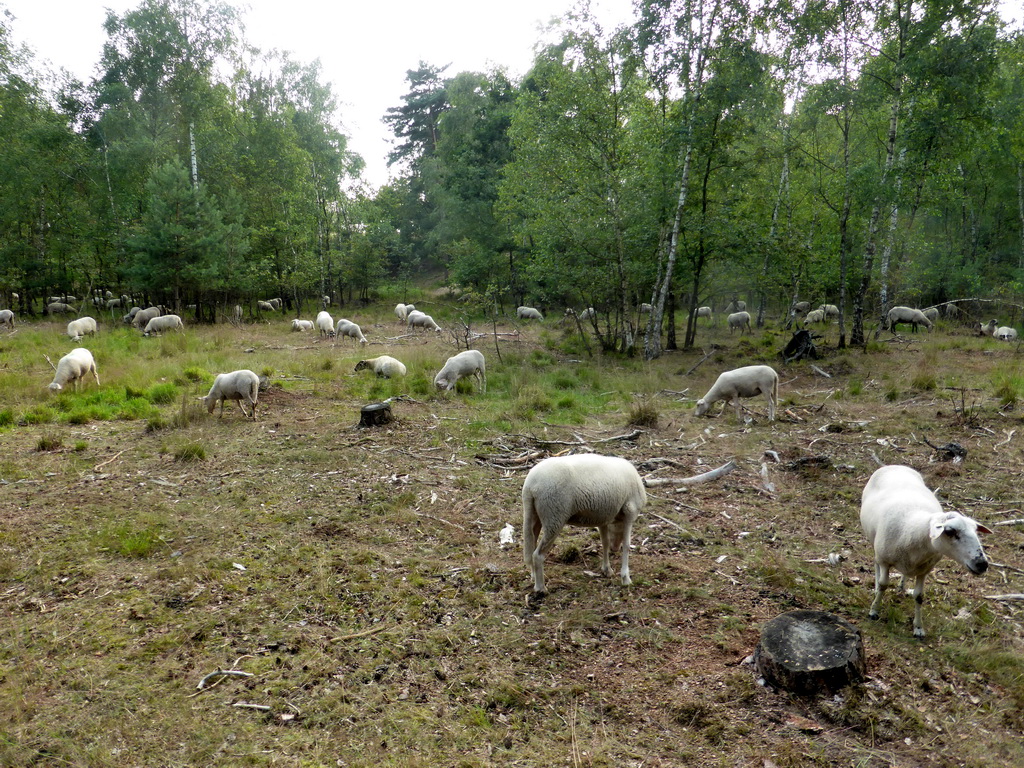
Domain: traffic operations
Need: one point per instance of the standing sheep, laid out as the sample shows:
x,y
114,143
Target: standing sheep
x,y
604,492
814,316
801,307
264,306
163,323
906,315
236,314
739,320
348,328
932,313
143,316
736,305
238,386
909,532
7,318
468,363
528,313
58,308
830,310
748,381
325,324
83,326
385,367
419,320
72,368
402,311
325,301
706,312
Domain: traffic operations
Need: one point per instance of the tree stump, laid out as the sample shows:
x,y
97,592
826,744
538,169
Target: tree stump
x,y
808,652
800,346
375,415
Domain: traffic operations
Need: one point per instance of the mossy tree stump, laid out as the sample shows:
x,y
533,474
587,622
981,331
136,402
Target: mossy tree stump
x,y
808,652
375,415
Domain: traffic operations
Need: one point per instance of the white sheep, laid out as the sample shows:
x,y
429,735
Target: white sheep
x,y
739,320
587,314
801,307
127,319
830,310
468,363
906,315
419,320
143,316
164,323
1005,332
402,311
705,312
325,324
83,326
348,328
646,309
604,492
814,316
932,313
236,313
385,367
238,386
325,301
264,306
302,325
909,532
528,313
748,381
7,318
58,308
73,367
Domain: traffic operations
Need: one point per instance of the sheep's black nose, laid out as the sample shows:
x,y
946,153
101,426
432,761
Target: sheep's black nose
x,y
980,566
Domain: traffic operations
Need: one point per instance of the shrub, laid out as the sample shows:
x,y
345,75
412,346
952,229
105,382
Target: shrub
x,y
163,393
190,452
643,414
49,443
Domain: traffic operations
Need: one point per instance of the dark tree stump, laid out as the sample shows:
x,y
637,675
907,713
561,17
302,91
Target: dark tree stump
x,y
809,652
800,346
375,415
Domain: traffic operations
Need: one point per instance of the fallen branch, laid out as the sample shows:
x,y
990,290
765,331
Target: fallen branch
x,y
219,672
1016,521
628,436
706,477
50,362
1007,598
440,520
1009,434
714,348
820,372
1006,567
246,705
104,463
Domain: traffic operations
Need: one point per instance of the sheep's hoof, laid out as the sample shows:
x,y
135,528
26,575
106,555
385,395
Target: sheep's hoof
x,y
919,634
873,615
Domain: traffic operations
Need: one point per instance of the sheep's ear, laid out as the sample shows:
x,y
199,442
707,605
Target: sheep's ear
x,y
938,527
983,529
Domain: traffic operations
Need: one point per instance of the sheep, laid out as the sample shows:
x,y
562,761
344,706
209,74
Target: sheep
x,y
7,318
402,311
74,367
739,320
587,314
420,320
748,381
385,367
325,301
906,315
801,307
348,328
705,312
302,325
68,299
238,386
468,363
814,316
127,319
605,492
411,314
275,303
646,309
264,306
143,316
83,326
830,310
908,530
736,306
325,324
932,313
1005,332
164,323
236,313
528,313
58,308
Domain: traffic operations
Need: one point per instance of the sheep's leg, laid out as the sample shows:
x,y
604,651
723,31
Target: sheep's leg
x,y
547,540
242,408
918,593
881,582
735,402
771,406
222,407
97,375
531,529
606,548
625,534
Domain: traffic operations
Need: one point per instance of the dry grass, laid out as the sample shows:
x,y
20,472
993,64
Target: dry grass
x,y
357,575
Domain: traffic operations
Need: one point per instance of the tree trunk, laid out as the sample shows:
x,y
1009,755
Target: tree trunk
x,y
810,652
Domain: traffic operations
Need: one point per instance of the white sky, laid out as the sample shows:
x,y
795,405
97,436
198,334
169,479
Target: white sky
x,y
365,48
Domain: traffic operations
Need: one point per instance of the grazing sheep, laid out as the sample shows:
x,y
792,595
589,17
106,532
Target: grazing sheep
x,y
385,367
736,306
739,320
238,386
587,314
58,308
143,316
468,363
302,325
528,313
72,368
748,381
164,323
801,307
909,532
604,492
61,299
127,319
830,310
402,311
275,303
83,326
325,324
705,312
814,316
932,313
264,306
113,303
906,315
348,328
419,320
1005,332
7,318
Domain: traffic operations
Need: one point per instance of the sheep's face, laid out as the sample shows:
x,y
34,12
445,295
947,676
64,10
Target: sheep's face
x,y
956,537
362,365
442,383
55,387
702,408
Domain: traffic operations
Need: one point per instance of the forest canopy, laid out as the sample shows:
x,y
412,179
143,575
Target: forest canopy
x,y
862,153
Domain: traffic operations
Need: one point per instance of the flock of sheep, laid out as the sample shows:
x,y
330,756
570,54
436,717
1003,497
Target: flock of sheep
x,y
900,516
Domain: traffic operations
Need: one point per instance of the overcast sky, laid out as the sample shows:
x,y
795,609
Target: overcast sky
x,y
365,47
